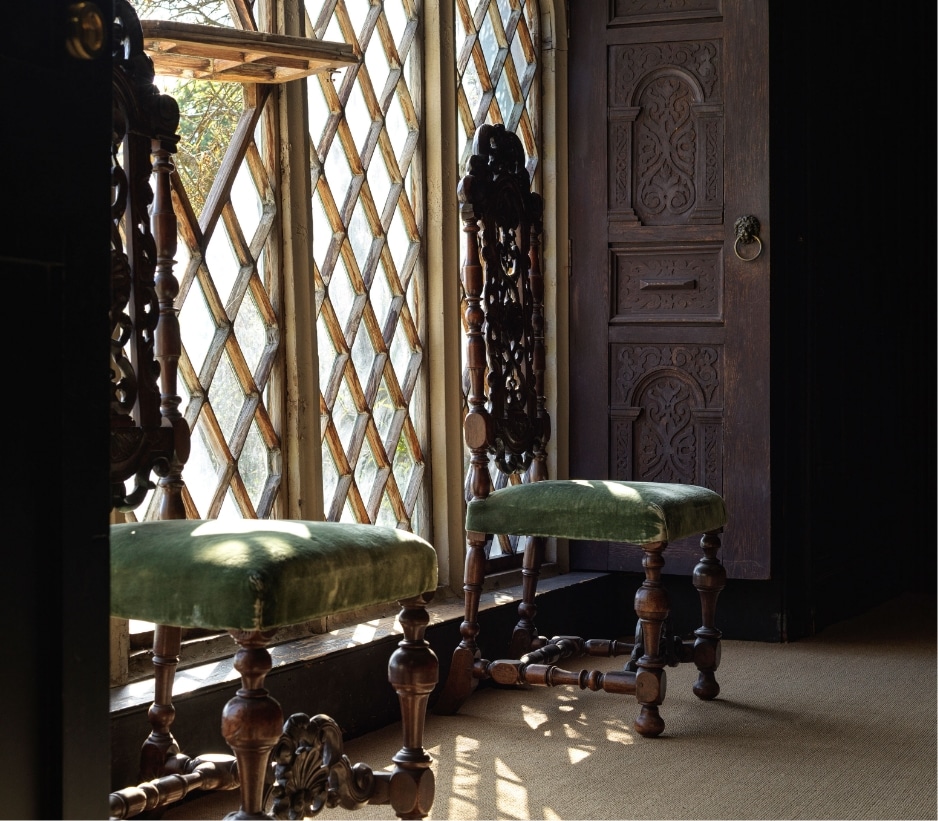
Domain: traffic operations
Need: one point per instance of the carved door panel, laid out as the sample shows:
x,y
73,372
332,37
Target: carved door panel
x,y
669,339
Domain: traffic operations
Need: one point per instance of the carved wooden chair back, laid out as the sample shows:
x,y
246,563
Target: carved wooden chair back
x,y
148,434
507,423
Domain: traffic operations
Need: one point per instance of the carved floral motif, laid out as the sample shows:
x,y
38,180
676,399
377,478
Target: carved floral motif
x,y
311,770
701,365
657,284
702,60
665,151
667,428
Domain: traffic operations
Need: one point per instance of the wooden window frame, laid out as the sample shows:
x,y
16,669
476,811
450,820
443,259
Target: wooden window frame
x,y
441,253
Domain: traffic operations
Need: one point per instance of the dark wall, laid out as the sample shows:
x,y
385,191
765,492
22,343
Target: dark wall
x,y
54,265
852,147
853,169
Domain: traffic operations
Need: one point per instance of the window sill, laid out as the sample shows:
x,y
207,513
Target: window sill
x,y
220,673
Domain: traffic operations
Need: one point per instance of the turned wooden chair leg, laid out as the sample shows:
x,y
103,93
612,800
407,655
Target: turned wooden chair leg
x,y
413,672
525,638
160,744
252,721
652,608
709,579
461,681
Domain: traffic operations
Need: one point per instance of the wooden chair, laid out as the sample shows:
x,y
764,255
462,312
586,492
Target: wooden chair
x,y
507,424
248,577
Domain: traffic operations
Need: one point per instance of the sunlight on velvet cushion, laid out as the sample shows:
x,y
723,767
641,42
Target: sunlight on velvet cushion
x,y
635,512
261,574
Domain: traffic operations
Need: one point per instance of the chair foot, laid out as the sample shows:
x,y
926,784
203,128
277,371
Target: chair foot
x,y
706,687
524,639
649,723
240,815
460,682
414,791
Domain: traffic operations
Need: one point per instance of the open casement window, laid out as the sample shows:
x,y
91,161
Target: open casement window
x,y
366,274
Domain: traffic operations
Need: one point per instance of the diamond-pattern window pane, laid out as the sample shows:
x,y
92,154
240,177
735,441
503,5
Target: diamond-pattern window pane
x,y
363,354
488,42
384,413
398,237
246,201
330,475
505,98
345,416
367,472
250,332
360,235
403,463
382,295
322,226
227,396
472,89
386,517
397,127
319,112
338,171
253,466
379,181
493,88
222,264
230,508
328,355
226,209
202,470
365,235
341,293
377,65
196,326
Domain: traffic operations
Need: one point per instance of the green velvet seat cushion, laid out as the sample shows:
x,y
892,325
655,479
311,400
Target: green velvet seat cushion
x,y
592,510
261,574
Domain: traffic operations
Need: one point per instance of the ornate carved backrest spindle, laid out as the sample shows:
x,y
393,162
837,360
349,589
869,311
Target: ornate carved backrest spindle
x,y
507,419
148,433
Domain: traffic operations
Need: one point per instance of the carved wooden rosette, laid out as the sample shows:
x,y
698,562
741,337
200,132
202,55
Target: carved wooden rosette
x,y
308,769
311,770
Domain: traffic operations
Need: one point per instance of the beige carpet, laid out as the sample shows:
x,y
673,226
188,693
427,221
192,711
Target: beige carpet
x,y
839,726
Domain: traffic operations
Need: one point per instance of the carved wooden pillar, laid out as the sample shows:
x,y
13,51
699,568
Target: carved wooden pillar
x,y
168,339
477,426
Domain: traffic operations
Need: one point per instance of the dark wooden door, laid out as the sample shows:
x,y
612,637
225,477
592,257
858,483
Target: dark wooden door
x,y
669,340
